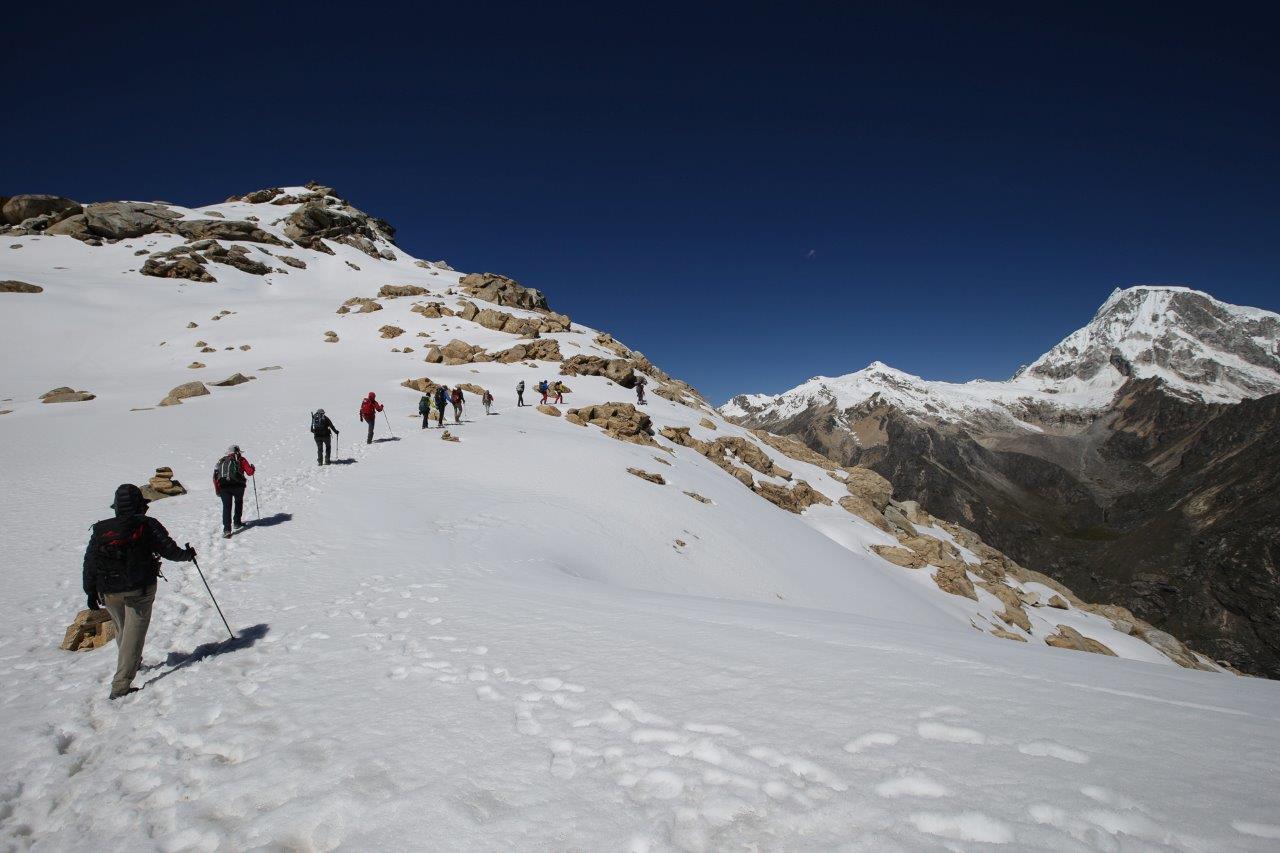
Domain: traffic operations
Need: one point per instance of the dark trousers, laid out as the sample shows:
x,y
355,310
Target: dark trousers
x,y
519,398
324,448
369,439
426,420
232,506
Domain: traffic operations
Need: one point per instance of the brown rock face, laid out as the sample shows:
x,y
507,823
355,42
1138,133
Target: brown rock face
x,y
65,395
619,420
864,509
1069,638
19,208
501,290
91,629
11,286
543,349
394,290
390,331
291,261
645,475
618,370
796,499
183,392
955,580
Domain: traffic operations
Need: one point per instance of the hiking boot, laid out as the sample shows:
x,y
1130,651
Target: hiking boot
x,y
115,696
226,534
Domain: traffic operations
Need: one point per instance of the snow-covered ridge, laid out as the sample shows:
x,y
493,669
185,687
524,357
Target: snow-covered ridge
x,y
514,641
1199,347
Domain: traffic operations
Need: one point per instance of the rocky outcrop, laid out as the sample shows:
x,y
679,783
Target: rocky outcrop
x,y
290,261
501,290
391,291
618,420
259,196
362,304
432,310
422,385
162,485
390,332
183,392
954,579
20,210
65,395
456,352
10,286
796,499
316,220
543,349
1069,638
223,229
91,629
617,370
645,475
699,498
118,220
233,380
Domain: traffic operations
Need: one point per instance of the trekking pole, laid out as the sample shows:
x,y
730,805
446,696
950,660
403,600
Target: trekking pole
x,y
388,420
215,601
256,507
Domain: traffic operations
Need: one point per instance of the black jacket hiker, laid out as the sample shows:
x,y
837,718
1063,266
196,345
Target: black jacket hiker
x,y
121,565
322,429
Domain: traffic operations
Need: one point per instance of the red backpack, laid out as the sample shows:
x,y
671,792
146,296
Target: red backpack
x,y
366,409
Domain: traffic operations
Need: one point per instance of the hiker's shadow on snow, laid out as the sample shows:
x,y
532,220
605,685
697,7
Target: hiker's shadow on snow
x,y
246,638
342,461
384,440
273,520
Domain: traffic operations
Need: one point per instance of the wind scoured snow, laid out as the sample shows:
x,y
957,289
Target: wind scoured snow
x,y
495,644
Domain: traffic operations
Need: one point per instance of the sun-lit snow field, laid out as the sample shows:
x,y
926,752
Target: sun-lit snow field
x,y
499,644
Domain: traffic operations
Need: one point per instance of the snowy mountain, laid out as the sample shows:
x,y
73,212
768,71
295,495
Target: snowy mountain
x,y
1103,463
1197,347
590,626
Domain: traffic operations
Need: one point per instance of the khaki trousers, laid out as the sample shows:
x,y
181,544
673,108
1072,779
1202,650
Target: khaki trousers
x,y
131,613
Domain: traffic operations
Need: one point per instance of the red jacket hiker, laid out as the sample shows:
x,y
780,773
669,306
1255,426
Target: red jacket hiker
x,y
228,483
369,407
245,468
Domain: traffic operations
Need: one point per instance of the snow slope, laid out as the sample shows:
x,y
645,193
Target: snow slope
x,y
1198,346
499,643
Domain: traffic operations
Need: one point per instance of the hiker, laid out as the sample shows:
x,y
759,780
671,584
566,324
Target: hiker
x,y
520,393
487,401
442,398
321,429
456,399
424,409
369,408
121,565
544,388
559,389
229,483
640,383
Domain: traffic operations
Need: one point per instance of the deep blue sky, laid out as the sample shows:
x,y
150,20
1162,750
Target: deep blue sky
x,y
751,194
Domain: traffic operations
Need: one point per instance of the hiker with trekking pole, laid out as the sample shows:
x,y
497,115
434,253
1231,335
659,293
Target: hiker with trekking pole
x,y
121,566
229,482
321,430
369,408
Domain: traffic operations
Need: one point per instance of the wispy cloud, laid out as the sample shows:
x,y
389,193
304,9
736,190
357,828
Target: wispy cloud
x,y
811,254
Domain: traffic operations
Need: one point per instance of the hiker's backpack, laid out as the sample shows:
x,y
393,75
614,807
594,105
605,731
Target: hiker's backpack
x,y
366,409
229,470
520,386
424,405
317,423
121,554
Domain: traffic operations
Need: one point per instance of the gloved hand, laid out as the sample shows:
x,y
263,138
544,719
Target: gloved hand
x,y
92,601
190,556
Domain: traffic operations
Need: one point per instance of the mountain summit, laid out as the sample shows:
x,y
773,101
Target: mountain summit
x,y
1132,460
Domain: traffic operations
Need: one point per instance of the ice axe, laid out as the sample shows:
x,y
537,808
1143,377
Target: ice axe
x,y
211,597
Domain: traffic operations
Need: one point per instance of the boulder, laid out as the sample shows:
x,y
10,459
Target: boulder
x,y
618,370
542,349
183,392
237,256
618,420
362,304
432,310
195,365
1069,638
448,436
422,385
607,341
895,517
291,261
261,196
699,498
868,484
706,423
750,454
10,286
73,226
330,337
394,290
549,410
91,629
118,220
1007,635
19,208
954,579
224,229
796,499
390,331
904,557
65,395
1013,614
645,475
500,290
233,379
864,509
167,265
162,485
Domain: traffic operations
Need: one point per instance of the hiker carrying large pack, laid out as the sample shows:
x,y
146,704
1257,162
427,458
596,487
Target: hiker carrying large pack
x,y
229,481
487,401
559,391
641,381
544,388
121,565
457,400
441,400
321,430
369,408
520,393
